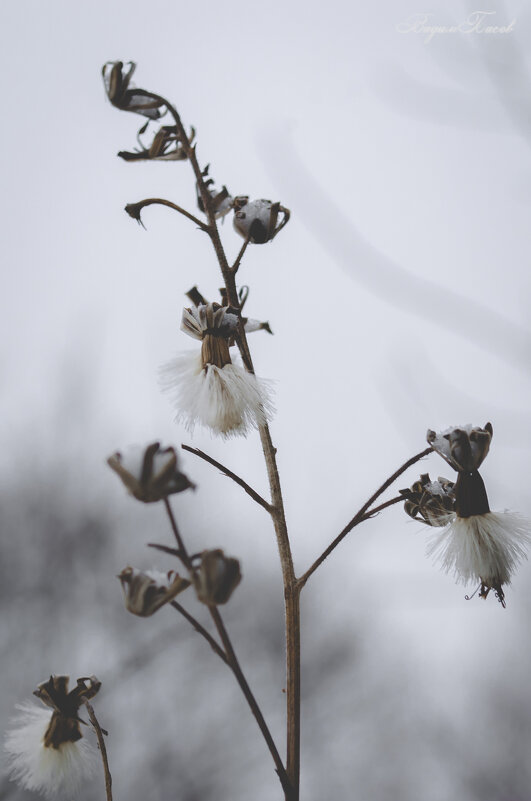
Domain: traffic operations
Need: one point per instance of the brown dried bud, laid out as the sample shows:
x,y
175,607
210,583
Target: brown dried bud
x,y
165,146
432,502
64,724
150,474
145,592
216,577
463,447
258,220
122,94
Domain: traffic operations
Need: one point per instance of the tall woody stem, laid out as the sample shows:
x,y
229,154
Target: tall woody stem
x,y
291,587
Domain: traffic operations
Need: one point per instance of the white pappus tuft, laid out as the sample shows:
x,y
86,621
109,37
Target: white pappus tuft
x,y
47,770
484,548
228,400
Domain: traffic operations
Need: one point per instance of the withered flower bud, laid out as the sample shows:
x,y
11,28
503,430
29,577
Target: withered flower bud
x,y
221,200
64,724
145,592
123,95
258,220
214,325
216,577
150,474
166,146
463,447
432,502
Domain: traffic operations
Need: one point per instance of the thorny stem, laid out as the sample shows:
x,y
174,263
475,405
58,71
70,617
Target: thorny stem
x,y
229,657
249,490
362,514
103,751
291,589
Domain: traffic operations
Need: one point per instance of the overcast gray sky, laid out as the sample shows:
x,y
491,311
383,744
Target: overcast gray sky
x,y
398,293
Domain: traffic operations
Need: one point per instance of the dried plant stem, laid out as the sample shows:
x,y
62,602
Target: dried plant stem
x,y
103,751
134,209
291,587
362,514
255,709
200,630
228,656
249,490
237,263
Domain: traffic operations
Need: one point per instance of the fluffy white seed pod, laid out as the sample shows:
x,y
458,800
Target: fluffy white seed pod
x,y
43,769
484,548
228,400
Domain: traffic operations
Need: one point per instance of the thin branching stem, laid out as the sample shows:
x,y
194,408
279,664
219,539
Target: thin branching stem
x,y
134,210
103,751
229,657
200,630
235,266
255,709
225,470
362,514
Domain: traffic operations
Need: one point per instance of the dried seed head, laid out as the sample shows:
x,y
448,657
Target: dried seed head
x,y
146,591
150,474
165,146
64,724
123,95
258,220
463,447
484,548
433,502
215,326
209,318
216,577
45,749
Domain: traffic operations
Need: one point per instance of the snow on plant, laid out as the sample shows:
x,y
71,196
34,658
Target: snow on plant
x,y
211,388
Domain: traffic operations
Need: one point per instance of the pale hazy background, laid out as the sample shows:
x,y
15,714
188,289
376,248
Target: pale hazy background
x,y
399,296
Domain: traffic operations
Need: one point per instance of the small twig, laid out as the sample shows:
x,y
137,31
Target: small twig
x,y
372,512
103,751
200,630
362,514
255,709
134,209
235,266
249,490
180,544
229,657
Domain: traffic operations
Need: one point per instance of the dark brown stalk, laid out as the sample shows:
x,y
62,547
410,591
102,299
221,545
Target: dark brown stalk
x,y
362,514
103,751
